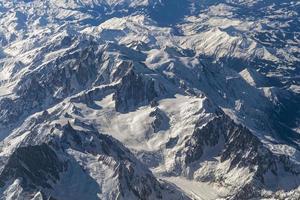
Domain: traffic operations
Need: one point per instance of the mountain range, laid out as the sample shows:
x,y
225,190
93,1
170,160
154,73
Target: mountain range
x,y
149,99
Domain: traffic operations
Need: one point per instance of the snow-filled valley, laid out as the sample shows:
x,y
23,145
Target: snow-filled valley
x,y
149,99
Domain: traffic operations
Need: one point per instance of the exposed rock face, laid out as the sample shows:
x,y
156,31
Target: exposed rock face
x,y
36,166
127,169
65,76
160,120
240,149
9,111
136,90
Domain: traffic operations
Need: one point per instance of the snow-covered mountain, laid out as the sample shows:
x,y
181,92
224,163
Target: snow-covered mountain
x,y
149,99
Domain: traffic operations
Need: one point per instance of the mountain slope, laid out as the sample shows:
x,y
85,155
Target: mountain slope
x,y
149,99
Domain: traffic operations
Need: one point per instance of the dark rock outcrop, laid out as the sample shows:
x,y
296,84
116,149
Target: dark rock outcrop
x,y
36,166
135,90
160,120
234,143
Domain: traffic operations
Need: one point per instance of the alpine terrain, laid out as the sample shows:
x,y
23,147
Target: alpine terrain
x,y
149,99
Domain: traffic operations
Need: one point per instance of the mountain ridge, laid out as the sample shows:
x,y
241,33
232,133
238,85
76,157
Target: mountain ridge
x,y
195,93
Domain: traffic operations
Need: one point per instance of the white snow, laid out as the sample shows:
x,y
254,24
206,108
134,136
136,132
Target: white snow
x,y
31,36
197,190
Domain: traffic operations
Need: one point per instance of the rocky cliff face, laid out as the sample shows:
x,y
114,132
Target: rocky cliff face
x,y
136,90
36,166
236,146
